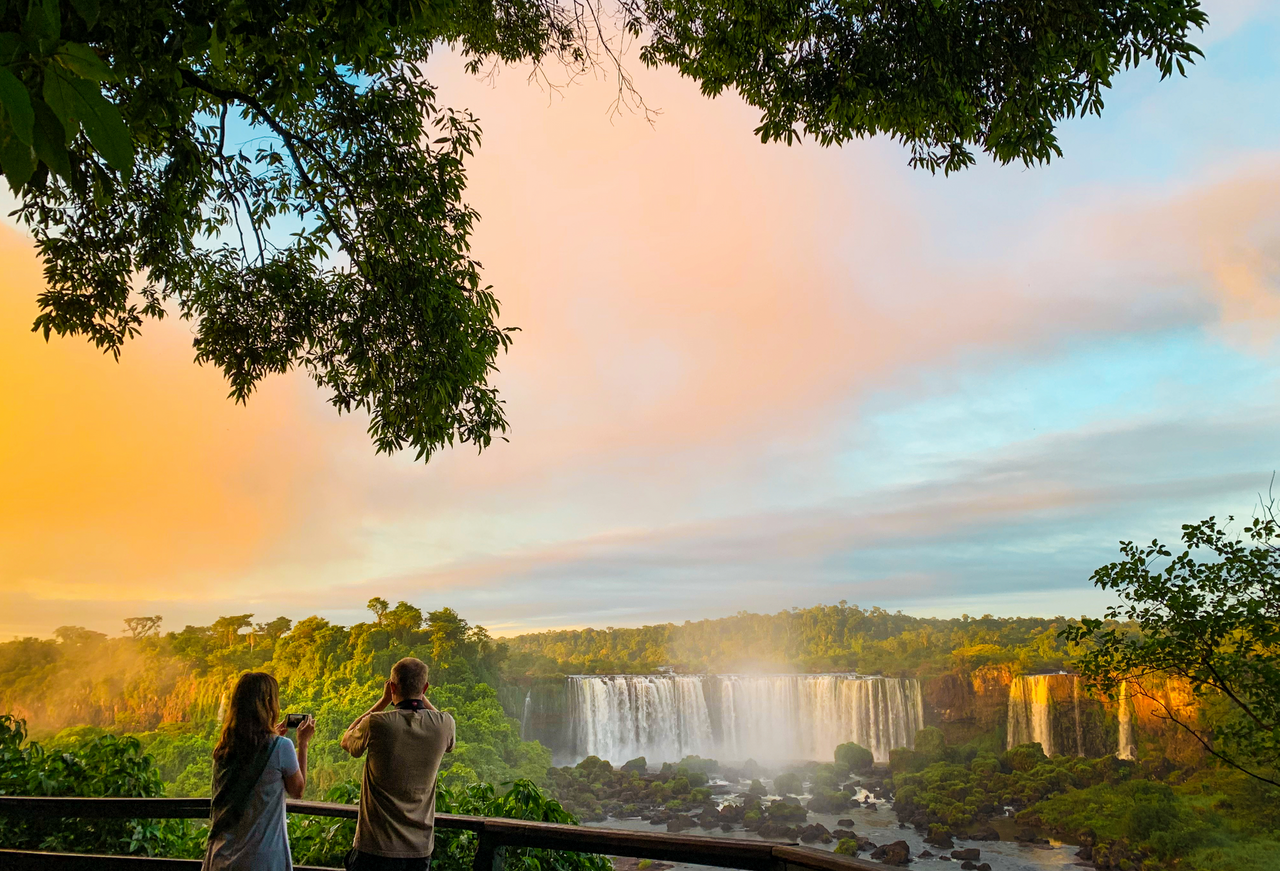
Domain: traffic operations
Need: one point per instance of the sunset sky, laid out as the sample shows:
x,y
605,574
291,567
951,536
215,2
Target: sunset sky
x,y
748,377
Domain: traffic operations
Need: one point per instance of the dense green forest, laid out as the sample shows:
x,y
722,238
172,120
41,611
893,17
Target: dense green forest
x,y
137,715
839,637
165,688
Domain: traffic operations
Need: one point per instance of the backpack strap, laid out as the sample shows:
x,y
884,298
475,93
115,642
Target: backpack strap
x,y
231,796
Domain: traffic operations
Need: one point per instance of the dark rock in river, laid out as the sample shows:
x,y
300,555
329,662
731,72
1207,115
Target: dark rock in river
x,y
679,822
968,866
924,854
898,853
984,834
845,823
967,854
841,834
941,840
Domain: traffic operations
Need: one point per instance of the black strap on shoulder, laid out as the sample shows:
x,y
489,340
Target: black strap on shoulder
x,y
231,794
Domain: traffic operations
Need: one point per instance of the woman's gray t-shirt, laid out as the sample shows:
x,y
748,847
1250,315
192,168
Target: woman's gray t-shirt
x,y
260,841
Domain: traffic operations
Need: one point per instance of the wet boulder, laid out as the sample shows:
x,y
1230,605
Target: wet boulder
x,y
679,823
968,854
985,833
898,854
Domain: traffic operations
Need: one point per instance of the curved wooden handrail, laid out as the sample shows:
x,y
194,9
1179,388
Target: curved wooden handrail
x,y
495,835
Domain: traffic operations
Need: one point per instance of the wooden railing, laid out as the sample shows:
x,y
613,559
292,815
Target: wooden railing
x,y
495,835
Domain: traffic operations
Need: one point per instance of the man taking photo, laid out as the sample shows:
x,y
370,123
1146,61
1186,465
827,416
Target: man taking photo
x,y
405,743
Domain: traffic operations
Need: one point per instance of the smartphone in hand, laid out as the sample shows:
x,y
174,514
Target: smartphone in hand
x,y
293,721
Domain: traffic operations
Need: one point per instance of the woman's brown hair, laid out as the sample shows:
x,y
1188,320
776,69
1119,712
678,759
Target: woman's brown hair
x,y
251,716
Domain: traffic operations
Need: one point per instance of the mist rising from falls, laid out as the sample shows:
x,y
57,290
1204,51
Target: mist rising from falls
x,y
737,717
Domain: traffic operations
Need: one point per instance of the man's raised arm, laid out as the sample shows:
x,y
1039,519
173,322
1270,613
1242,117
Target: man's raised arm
x,y
356,738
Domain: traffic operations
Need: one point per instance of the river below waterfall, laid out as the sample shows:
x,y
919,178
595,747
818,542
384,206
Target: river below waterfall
x,y
881,827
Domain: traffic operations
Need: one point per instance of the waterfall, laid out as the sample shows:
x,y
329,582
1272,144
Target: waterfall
x,y
524,717
738,717
1127,749
1075,704
1031,712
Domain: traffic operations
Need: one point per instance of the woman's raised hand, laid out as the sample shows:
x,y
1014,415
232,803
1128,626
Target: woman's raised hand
x,y
281,728
306,729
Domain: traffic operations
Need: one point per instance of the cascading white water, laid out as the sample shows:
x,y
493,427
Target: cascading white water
x,y
1127,749
738,717
620,717
1031,712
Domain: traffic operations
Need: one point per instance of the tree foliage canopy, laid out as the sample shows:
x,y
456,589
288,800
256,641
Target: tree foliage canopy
x,y
1210,615
282,174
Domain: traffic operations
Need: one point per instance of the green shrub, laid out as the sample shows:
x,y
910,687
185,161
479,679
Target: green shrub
x,y
698,764
455,850
787,783
92,764
847,847
1024,757
853,757
824,779
904,761
931,745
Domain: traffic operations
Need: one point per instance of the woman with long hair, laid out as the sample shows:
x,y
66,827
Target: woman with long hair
x,y
254,765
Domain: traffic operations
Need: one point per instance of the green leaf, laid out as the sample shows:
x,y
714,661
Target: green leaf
x,y
80,100
217,49
87,9
62,98
84,62
17,104
105,127
16,156
49,138
9,44
44,21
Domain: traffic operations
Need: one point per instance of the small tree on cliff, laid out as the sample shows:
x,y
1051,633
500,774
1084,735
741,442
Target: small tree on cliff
x,y
153,144
1209,615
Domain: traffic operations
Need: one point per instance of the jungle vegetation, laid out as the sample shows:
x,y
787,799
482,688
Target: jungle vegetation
x,y
840,637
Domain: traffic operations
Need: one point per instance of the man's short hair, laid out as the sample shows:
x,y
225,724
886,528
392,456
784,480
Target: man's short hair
x,y
410,676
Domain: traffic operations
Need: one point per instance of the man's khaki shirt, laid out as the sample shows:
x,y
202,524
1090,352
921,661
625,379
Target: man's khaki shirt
x,y
398,789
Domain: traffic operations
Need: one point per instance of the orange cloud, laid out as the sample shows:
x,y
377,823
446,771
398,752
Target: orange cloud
x,y
692,303
135,479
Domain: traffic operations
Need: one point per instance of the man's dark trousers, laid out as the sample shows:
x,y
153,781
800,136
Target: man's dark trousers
x,y
357,861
